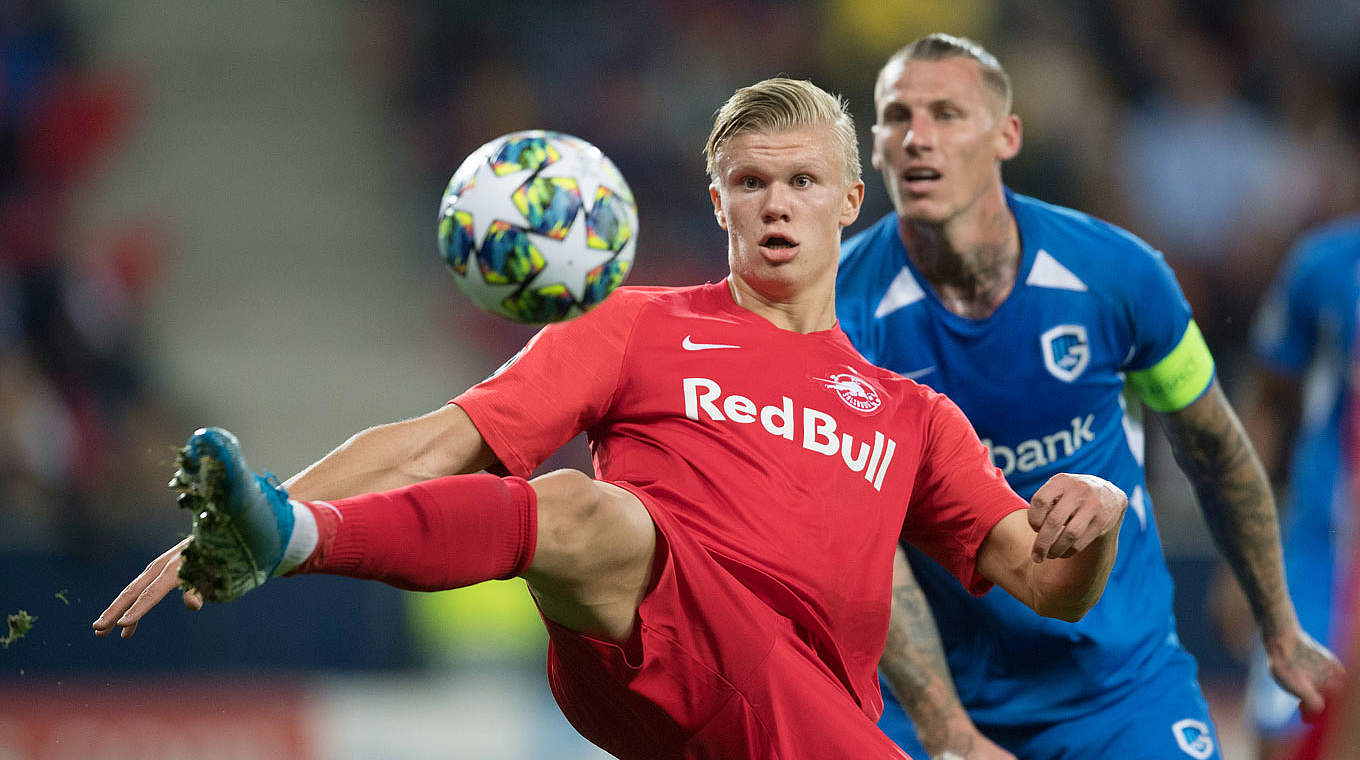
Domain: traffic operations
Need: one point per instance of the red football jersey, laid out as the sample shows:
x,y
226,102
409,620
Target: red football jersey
x,y
791,459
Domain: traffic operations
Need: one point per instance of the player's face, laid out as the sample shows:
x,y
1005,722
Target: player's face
x,y
783,198
940,138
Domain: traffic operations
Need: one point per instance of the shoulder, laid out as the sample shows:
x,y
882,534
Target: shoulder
x,y
1331,246
1104,257
618,314
633,299
920,406
1063,228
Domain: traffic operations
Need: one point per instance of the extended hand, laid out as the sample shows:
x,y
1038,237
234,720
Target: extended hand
x,y
1070,511
1305,669
144,592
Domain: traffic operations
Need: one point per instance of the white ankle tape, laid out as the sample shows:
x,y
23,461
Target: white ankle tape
x,y
303,540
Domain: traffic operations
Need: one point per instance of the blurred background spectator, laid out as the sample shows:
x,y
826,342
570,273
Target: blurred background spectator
x,y
224,214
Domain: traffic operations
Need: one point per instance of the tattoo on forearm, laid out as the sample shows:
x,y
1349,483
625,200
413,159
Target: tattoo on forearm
x,y
914,662
1234,494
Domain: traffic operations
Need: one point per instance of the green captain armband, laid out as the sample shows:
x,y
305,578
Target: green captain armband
x,y
1178,379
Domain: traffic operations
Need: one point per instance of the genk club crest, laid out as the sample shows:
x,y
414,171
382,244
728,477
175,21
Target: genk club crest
x,y
854,390
1194,738
1066,351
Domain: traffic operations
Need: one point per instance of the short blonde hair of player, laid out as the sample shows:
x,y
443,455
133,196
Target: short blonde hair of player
x,y
777,105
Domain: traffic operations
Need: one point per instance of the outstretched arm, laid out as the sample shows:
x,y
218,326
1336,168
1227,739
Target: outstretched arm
x,y
443,442
1239,508
914,664
1056,556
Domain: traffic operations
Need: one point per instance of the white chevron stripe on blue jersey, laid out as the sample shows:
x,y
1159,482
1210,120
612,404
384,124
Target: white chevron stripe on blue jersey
x,y
1048,273
904,291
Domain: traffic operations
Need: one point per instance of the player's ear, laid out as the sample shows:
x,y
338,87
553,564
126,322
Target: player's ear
x,y
854,201
717,205
1009,138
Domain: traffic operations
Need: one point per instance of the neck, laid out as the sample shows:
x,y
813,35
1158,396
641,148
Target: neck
x,y
808,310
970,261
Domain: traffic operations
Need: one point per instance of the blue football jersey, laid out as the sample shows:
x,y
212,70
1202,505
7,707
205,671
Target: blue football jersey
x,y
1306,328
1042,380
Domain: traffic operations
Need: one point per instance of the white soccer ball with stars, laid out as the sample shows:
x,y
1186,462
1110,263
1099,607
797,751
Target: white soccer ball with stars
x,y
538,226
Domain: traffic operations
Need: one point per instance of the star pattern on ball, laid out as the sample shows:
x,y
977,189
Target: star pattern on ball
x,y
495,199
581,166
569,259
475,284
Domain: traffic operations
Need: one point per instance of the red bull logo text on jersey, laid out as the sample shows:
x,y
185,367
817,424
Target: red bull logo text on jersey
x,y
818,429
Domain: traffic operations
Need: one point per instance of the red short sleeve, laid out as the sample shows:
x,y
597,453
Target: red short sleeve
x,y
959,496
558,385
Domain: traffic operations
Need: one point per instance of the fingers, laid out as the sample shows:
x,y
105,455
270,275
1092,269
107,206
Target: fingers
x,y
1076,535
1052,529
1042,504
1306,669
1311,701
1069,512
139,596
163,584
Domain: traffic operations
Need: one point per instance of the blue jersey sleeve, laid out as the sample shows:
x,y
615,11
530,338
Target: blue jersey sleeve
x,y
1157,312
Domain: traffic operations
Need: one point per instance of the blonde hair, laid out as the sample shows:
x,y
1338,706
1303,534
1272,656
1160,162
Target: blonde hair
x,y
779,104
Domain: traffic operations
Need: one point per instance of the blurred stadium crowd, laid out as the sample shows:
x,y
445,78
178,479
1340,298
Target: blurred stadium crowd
x,y
1217,131
77,392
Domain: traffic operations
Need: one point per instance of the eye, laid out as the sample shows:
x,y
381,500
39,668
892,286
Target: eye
x,y
750,183
802,180
895,115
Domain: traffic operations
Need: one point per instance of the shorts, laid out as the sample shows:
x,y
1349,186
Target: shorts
x,y
710,672
1163,717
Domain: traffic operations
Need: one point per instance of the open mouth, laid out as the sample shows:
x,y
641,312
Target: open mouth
x,y
776,241
920,175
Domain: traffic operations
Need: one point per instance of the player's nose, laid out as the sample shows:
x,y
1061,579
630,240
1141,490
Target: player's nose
x,y
778,203
919,137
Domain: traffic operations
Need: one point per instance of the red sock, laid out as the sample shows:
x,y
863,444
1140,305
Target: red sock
x,y
439,534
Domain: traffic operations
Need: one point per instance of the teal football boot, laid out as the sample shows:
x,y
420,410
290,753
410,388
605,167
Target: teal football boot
x,y
242,521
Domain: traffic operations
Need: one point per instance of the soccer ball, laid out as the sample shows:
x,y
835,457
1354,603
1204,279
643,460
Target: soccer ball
x,y
538,226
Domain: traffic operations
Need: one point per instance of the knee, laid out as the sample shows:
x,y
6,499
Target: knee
x,y
584,524
571,512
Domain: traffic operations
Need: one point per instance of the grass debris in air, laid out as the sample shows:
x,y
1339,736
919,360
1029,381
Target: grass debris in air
x,y
19,624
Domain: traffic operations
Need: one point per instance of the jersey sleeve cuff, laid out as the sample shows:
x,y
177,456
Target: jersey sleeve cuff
x,y
509,462
978,584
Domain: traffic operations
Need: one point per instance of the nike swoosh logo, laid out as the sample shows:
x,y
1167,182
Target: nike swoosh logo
x,y
689,345
922,372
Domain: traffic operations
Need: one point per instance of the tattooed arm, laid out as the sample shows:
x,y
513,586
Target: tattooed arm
x,y
913,663
1235,496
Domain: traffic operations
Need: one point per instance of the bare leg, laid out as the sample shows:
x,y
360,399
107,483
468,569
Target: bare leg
x,y
594,557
